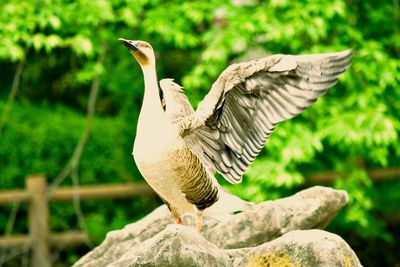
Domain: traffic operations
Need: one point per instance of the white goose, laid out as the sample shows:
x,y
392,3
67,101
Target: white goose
x,y
178,150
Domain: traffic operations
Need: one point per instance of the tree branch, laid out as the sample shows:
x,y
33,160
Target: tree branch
x,y
74,161
8,231
13,92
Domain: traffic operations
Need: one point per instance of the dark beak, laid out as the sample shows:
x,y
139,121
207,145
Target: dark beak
x,y
132,45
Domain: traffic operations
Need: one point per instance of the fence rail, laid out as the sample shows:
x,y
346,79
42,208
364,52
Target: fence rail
x,y
377,175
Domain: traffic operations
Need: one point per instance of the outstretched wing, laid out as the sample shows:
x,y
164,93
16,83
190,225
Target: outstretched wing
x,y
248,99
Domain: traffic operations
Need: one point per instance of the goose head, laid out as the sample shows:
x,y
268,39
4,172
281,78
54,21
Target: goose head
x,y
141,51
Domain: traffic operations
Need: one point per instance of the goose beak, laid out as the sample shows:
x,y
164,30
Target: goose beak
x,y
131,45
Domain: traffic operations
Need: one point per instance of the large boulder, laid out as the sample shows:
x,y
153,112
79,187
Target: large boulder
x,y
243,240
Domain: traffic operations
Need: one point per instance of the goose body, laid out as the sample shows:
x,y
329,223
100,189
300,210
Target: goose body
x,y
178,149
151,152
173,171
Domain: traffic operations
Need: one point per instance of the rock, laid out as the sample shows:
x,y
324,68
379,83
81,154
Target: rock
x,y
180,245
153,241
303,248
311,208
177,245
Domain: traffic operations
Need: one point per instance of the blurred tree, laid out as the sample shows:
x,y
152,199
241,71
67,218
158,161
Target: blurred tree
x,y
49,53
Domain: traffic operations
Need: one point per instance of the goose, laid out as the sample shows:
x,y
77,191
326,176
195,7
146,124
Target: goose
x,y
178,150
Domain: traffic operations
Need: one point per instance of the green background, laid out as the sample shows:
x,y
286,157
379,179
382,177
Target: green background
x,y
62,46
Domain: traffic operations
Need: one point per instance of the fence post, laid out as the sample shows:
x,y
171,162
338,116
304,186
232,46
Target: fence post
x,y
38,221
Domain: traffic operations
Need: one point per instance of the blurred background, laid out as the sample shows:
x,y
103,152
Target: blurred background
x,y
70,96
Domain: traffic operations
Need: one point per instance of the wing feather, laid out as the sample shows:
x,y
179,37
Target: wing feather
x,y
247,101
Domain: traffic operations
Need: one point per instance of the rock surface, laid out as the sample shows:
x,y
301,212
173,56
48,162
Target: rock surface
x,y
177,245
311,208
303,248
243,240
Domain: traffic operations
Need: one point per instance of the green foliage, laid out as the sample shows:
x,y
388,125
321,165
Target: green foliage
x,y
67,43
44,142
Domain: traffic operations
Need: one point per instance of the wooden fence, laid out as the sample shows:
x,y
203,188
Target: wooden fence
x,y
40,239
377,175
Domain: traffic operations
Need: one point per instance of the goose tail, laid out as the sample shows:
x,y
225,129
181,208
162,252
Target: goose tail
x,y
227,206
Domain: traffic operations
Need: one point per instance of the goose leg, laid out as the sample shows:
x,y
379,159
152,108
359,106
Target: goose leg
x,y
177,215
174,211
199,220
